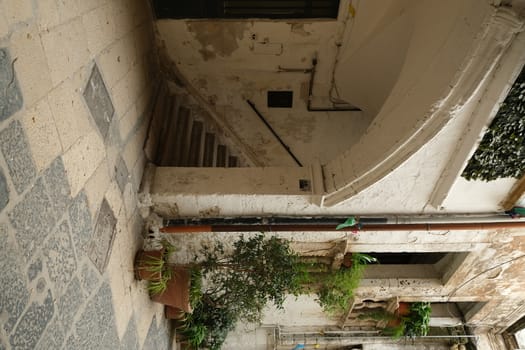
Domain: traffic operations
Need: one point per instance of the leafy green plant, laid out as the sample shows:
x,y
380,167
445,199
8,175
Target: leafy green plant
x,y
195,287
196,334
258,270
338,287
208,325
159,286
377,315
501,152
417,322
160,267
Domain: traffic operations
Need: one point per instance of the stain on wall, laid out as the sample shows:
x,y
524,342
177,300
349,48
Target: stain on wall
x,y
298,28
217,38
301,127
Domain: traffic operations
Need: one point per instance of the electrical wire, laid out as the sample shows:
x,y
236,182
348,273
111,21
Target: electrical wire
x,y
454,291
482,273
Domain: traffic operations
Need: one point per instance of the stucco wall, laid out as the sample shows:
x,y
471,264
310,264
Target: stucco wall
x,y
375,58
227,63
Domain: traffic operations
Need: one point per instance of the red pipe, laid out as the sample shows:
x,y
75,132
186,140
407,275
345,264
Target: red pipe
x,y
329,228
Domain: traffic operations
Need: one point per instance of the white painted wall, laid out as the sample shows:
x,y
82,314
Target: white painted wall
x,y
379,57
228,70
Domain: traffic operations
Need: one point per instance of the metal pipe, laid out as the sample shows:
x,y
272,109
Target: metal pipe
x,y
378,337
451,226
261,117
293,70
310,96
337,219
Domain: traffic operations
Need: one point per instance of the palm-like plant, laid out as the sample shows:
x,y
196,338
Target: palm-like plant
x,y
159,268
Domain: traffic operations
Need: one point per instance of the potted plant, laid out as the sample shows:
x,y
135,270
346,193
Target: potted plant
x,y
239,283
412,324
153,266
417,322
337,287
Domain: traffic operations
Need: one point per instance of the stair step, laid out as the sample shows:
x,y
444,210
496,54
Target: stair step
x,y
178,149
209,150
194,152
221,156
162,141
151,143
170,134
181,135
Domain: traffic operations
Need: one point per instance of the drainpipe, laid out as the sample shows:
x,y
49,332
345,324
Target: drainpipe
x,y
310,95
328,224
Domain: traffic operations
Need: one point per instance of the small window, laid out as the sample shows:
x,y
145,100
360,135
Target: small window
x,y
280,99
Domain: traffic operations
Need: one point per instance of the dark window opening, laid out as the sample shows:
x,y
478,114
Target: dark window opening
x,y
246,8
514,336
439,265
408,258
280,99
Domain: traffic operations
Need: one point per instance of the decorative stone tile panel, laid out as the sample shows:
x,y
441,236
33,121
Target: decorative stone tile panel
x,y
14,295
33,218
4,192
102,241
81,225
15,148
32,324
98,101
10,95
60,258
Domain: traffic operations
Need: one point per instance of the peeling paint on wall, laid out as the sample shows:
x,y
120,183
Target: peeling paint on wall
x,y
298,28
217,38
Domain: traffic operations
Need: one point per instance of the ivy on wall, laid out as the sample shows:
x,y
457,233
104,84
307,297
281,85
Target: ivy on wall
x,y
501,153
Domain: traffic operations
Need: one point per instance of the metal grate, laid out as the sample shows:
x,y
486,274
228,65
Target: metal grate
x,y
246,8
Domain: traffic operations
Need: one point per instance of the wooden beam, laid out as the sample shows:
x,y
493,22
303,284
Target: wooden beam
x,y
515,194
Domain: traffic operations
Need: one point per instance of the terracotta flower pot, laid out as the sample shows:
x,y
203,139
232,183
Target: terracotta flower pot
x,y
177,293
141,265
173,313
404,309
347,260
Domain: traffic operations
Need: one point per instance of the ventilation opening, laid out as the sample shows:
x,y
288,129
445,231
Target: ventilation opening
x,y
280,99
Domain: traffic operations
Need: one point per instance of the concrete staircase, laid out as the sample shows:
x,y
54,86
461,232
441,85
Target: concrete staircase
x,y
181,134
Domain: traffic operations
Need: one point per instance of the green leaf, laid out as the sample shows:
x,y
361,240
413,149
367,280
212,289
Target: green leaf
x,y
501,153
351,221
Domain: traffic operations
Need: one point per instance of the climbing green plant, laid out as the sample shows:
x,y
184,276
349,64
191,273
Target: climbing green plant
x,y
501,152
338,287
